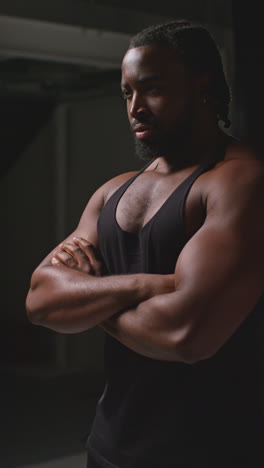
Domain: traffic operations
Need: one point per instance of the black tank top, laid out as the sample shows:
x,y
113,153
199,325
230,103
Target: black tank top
x,y
156,414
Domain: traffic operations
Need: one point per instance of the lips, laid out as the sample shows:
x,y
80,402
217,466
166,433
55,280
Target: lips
x,y
143,131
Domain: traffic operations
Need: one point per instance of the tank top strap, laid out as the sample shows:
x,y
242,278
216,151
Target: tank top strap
x,y
115,197
199,171
184,188
204,167
131,179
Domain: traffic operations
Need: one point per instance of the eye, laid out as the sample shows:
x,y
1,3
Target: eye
x,y
126,94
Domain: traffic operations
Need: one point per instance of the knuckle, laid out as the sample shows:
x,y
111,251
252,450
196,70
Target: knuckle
x,y
67,258
79,251
59,254
70,260
68,246
83,241
88,244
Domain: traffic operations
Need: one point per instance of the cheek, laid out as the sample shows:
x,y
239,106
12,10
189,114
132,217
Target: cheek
x,y
127,109
171,111
177,105
162,108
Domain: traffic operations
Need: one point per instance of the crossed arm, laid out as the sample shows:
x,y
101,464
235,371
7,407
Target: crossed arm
x,y
186,316
70,296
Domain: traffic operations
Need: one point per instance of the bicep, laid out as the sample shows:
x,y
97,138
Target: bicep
x,y
219,277
228,248
215,264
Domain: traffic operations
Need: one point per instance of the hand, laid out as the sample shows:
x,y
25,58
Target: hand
x,y
79,254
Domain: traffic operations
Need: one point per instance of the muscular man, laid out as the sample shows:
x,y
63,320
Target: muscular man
x,y
169,261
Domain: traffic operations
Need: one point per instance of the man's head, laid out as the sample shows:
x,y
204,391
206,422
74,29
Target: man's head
x,y
172,78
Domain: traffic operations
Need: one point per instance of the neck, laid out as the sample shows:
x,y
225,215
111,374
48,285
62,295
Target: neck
x,y
201,148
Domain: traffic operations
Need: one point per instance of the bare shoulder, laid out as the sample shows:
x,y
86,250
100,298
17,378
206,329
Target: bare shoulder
x,y
104,192
238,178
234,199
110,187
87,226
98,200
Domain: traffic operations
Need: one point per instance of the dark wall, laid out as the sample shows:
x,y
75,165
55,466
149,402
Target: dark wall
x,y
249,75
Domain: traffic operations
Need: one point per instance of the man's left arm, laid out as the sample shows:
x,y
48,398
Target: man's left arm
x,y
219,278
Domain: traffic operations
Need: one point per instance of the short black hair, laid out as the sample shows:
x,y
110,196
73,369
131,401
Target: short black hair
x,y
197,50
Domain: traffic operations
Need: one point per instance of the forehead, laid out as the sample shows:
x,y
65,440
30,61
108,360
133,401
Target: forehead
x,y
150,60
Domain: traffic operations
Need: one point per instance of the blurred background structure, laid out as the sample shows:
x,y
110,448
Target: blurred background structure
x,y
64,132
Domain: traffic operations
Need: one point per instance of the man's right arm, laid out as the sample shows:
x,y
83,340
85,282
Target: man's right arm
x,y
70,301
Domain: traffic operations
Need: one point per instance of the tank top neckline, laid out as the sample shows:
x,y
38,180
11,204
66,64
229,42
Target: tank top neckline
x,y
202,167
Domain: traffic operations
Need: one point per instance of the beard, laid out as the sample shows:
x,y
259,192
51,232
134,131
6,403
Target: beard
x,y
166,146
170,144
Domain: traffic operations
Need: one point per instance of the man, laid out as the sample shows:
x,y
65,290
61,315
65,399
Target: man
x,y
169,261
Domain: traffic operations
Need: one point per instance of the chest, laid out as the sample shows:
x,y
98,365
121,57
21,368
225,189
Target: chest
x,y
147,196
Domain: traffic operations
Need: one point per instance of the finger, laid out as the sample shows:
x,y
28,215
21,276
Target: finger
x,y
74,250
92,253
64,258
79,256
55,261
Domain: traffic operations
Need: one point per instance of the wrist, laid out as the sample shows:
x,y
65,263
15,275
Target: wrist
x,y
152,285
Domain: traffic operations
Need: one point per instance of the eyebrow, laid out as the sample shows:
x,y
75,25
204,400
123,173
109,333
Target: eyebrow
x,y
144,79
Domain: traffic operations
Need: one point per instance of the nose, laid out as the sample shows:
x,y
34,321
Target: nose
x,y
137,106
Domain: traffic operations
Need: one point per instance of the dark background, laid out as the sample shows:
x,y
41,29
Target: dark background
x,y
59,142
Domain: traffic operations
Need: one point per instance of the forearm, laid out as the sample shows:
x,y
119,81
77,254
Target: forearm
x,y
70,301
151,330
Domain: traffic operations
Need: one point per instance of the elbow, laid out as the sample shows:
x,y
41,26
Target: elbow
x,y
35,313
36,300
189,349
190,356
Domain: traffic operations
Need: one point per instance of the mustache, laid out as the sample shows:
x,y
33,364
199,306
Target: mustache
x,y
143,120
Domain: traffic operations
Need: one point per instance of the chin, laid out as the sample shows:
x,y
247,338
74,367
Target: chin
x,y
146,150
169,147
172,151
